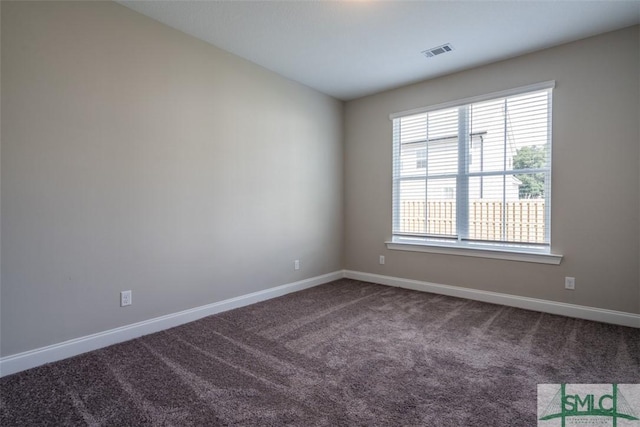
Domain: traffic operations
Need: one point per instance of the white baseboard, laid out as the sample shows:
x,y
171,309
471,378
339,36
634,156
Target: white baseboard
x,y
32,358
545,306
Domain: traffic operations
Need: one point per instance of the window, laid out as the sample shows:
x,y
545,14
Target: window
x,y
475,174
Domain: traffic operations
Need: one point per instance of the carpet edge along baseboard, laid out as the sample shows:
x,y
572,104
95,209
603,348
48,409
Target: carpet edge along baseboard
x,y
32,358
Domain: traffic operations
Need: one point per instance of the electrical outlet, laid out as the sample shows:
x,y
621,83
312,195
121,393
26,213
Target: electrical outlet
x,y
296,264
570,283
125,298
381,261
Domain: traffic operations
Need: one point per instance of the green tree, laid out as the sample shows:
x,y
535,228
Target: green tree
x,y
531,157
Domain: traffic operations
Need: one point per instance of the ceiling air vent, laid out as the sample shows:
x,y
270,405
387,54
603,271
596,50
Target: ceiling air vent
x,y
439,50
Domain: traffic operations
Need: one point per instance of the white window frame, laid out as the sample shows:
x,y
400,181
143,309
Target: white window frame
x,y
500,250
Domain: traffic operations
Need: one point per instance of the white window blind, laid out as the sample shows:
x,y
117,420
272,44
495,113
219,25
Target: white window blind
x,y
475,171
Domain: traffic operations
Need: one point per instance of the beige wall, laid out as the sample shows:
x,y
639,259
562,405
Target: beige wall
x,y
136,157
595,191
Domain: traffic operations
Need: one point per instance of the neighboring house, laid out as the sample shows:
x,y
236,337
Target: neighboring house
x,y
444,150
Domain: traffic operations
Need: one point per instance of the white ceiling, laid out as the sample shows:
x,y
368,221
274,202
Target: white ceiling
x,y
349,49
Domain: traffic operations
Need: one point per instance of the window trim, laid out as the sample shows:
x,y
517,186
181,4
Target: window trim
x,y
505,251
480,98
477,250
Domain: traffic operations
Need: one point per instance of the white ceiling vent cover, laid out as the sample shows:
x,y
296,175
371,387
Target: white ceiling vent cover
x,y
438,50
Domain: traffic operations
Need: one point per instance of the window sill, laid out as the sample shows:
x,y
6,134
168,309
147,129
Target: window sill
x,y
520,254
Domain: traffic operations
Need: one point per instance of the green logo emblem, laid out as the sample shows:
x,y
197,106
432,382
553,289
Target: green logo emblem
x,y
584,402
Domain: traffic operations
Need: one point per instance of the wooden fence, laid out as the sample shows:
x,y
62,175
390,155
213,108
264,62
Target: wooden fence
x,y
519,221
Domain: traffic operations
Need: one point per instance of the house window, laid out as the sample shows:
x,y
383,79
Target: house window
x,y
476,173
421,158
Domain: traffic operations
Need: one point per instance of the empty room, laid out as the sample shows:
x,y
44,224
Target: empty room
x,y
320,213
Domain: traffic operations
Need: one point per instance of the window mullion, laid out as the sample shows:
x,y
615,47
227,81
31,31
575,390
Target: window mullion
x,y
462,184
426,178
504,168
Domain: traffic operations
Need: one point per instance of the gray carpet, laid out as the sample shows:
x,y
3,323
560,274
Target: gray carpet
x,y
345,353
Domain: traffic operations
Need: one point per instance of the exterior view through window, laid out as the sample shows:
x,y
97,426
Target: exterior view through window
x,y
476,173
